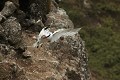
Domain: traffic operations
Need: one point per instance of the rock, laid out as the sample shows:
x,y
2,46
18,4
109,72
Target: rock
x,y
20,15
12,34
35,10
6,52
70,52
2,17
62,60
11,71
16,2
12,30
39,8
55,3
8,9
5,71
58,1
2,35
4,49
1,30
20,47
26,54
73,75
59,19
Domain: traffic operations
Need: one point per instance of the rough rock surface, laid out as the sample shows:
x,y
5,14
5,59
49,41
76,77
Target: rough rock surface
x,y
59,19
39,8
12,30
8,9
10,71
62,60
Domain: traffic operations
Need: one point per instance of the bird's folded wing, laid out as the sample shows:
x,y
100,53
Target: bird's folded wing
x,y
64,32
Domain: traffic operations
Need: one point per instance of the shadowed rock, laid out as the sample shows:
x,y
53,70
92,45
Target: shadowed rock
x,y
13,34
12,30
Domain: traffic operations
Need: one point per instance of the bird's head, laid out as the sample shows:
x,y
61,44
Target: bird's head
x,y
45,33
45,28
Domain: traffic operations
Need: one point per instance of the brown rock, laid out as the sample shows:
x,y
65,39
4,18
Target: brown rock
x,y
11,71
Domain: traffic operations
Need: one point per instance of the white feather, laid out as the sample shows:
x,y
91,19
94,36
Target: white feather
x,y
43,32
63,32
53,37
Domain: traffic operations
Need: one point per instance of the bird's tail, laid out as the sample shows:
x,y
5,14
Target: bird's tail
x,y
77,29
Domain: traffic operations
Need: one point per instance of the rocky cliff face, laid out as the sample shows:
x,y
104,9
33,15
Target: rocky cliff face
x,y
62,60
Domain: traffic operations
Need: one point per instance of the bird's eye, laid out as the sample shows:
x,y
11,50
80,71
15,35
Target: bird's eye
x,y
48,35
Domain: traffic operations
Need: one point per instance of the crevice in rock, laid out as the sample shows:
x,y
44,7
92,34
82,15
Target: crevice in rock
x,y
72,75
24,5
2,3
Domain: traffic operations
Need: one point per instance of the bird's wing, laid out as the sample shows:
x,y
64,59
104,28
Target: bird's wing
x,y
63,32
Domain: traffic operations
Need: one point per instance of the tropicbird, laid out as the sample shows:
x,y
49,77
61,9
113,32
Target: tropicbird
x,y
53,37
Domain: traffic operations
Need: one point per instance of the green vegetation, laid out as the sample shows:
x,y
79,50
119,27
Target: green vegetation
x,y
101,31
104,51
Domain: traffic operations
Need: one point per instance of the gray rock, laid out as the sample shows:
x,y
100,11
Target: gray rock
x,y
2,17
59,19
8,9
1,30
62,60
20,15
4,49
12,30
39,8
12,34
70,51
26,54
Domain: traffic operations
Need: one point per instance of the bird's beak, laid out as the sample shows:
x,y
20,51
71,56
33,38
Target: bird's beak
x,y
44,37
48,36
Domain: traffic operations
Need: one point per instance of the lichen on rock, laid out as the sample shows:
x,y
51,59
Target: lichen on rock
x,y
62,60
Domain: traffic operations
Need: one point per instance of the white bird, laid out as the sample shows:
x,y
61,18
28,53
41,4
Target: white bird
x,y
53,37
43,34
